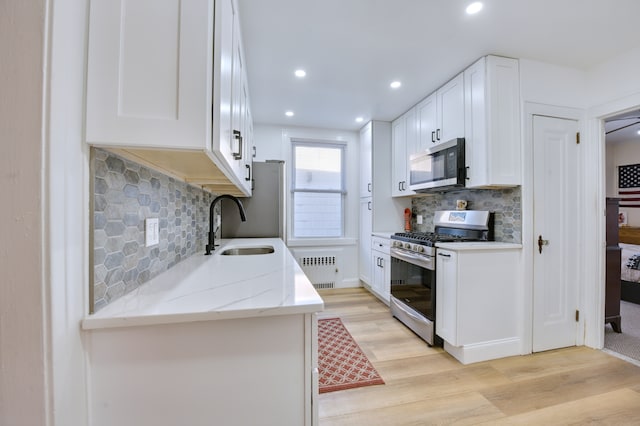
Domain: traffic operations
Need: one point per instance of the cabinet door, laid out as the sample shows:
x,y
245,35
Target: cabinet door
x,y
447,296
148,70
366,160
399,154
364,246
385,285
404,140
427,116
450,99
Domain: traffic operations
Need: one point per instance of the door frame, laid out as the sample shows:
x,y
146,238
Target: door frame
x,y
528,239
594,285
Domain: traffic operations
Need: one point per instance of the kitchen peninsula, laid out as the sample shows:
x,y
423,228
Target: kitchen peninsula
x,y
221,339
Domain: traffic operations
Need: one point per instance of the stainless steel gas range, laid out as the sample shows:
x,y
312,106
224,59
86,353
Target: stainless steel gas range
x,y
413,266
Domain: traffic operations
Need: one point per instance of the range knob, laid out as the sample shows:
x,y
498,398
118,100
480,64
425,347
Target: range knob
x,y
420,249
407,246
397,244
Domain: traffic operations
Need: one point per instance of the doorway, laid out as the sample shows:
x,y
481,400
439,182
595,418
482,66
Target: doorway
x,y
622,189
555,195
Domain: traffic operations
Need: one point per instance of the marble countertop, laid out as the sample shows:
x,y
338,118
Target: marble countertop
x,y
383,234
478,245
216,287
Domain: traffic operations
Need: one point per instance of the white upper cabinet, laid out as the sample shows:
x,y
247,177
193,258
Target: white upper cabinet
x,y
492,123
366,159
148,73
427,116
451,110
404,141
441,115
165,85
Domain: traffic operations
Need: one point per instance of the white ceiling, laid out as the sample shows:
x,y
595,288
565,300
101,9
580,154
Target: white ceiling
x,y
353,49
623,127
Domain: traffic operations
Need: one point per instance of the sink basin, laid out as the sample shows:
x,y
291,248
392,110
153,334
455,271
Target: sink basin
x,y
243,251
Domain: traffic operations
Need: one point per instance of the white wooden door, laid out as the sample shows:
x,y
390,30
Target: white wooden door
x,y
555,287
366,141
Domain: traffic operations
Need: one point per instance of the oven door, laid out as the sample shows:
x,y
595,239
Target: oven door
x,y
413,299
413,283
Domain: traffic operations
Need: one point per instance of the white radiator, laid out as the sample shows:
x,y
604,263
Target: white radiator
x,y
322,267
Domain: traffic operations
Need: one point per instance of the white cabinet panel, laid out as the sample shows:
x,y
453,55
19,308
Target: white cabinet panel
x,y
364,245
477,301
147,82
451,110
441,115
492,123
404,142
381,269
366,159
427,123
168,76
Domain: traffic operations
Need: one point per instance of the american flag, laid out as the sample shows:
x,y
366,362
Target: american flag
x,y
629,185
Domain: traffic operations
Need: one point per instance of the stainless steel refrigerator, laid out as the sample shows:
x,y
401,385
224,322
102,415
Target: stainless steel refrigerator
x,y
265,208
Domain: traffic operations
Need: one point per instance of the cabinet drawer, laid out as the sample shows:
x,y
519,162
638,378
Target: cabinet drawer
x,y
380,244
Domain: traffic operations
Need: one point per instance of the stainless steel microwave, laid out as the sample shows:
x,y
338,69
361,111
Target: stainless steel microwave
x,y
439,168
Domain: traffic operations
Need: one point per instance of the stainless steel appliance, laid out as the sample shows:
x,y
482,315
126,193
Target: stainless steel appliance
x,y
413,266
264,209
439,168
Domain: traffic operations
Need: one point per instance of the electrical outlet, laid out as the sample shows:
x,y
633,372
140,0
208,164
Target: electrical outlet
x,y
152,231
218,221
419,219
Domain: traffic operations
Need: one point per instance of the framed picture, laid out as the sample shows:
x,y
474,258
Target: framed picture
x,y
622,218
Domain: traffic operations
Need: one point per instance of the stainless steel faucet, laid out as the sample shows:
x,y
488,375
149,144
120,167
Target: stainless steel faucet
x,y
212,232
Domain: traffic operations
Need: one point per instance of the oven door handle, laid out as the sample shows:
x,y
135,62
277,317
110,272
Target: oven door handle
x,y
411,314
418,260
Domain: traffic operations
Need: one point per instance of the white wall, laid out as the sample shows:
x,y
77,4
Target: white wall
x,y
43,221
23,302
552,84
273,143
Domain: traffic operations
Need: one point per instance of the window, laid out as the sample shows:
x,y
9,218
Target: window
x,y
318,190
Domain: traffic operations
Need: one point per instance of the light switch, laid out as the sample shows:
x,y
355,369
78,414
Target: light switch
x,y
152,231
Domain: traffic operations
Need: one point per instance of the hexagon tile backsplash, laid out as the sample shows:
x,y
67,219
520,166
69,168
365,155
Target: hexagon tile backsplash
x,y
504,203
124,195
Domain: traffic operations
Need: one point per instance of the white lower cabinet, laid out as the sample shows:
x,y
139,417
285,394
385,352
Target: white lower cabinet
x,y
381,269
247,371
477,303
364,246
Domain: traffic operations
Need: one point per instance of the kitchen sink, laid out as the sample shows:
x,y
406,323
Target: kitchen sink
x,y
243,251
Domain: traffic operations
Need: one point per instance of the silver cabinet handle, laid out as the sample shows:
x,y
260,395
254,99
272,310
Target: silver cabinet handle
x,y
438,134
369,187
238,136
248,177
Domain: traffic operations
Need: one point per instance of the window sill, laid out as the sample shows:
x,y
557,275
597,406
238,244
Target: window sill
x,y
321,242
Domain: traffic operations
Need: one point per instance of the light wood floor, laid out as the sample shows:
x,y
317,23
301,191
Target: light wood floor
x,y
426,386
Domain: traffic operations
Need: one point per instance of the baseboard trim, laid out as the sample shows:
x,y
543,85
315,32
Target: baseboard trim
x,y
485,351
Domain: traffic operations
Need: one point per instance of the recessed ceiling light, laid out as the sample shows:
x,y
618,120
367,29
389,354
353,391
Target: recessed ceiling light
x,y
395,84
300,73
289,113
474,8
359,120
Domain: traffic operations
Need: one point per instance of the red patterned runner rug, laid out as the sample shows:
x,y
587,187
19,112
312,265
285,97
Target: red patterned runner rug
x,y
341,362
